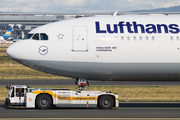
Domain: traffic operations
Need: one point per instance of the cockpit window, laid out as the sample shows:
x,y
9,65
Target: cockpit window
x,y
36,36
28,36
43,36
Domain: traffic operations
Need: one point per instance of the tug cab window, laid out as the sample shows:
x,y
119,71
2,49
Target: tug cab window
x,y
28,36
43,36
36,36
19,92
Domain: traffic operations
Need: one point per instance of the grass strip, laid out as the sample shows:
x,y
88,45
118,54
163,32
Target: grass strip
x,y
10,69
132,93
5,45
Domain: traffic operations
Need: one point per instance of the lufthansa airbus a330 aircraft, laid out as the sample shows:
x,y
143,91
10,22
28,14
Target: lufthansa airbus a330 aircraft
x,y
104,48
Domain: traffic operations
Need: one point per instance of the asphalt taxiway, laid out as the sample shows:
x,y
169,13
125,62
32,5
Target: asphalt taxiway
x,y
71,82
125,111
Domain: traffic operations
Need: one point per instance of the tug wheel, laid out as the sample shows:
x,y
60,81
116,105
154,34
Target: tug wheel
x,y
106,102
43,101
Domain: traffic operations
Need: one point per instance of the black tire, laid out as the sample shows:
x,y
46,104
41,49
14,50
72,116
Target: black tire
x,y
7,102
106,102
43,101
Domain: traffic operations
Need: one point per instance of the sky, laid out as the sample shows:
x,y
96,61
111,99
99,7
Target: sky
x,y
83,5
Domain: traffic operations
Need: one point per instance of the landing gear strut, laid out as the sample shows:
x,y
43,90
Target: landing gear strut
x,y
81,83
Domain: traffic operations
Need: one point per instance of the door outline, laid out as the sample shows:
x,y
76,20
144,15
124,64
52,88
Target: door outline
x,y
84,37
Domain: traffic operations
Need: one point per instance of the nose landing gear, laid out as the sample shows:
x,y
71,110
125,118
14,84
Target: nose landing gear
x,y
81,83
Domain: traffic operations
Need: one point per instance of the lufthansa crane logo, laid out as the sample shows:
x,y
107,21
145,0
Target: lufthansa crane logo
x,y
43,50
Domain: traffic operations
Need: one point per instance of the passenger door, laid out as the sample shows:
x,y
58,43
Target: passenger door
x,y
80,39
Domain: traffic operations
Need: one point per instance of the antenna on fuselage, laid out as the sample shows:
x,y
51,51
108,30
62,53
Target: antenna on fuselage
x,y
115,14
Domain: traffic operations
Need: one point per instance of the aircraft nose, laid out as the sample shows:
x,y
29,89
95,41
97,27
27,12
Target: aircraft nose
x,y
14,51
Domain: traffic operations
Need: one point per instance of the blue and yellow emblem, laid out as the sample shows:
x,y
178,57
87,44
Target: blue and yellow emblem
x,y
8,33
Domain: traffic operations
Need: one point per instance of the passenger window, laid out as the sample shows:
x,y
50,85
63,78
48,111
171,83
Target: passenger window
x,y
28,36
122,38
153,38
147,38
171,38
36,36
134,37
43,36
128,38
177,38
140,38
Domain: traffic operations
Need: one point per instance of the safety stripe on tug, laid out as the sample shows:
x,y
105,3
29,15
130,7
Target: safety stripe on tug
x,y
65,98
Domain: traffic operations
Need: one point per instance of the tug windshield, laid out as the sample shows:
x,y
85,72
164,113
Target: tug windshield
x,y
11,92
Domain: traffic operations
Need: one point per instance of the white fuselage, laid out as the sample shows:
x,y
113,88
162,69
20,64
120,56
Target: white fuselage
x,y
105,48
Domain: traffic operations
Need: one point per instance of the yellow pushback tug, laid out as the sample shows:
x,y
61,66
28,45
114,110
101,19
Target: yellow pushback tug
x,y
25,97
